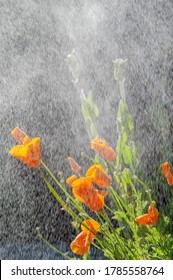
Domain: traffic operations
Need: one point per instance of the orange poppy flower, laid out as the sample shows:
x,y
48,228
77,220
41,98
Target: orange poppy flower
x,y
151,218
168,173
71,179
98,176
84,191
103,149
29,150
84,239
74,166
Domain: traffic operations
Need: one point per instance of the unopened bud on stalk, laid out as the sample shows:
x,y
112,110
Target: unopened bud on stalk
x,y
74,166
119,69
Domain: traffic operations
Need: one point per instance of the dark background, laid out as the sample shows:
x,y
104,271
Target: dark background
x,y
37,94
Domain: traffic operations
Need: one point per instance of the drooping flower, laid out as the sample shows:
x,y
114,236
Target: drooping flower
x,y
71,179
103,149
168,173
150,218
74,166
29,151
84,191
98,176
84,239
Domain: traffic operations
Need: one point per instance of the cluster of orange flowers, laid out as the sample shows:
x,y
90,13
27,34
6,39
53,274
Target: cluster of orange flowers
x,y
28,151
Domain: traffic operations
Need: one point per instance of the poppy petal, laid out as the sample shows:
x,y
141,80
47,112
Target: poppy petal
x,y
79,246
92,224
71,179
98,176
84,191
103,149
143,219
84,239
29,153
168,173
153,212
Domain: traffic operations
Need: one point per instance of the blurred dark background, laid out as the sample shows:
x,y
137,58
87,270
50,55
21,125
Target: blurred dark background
x,y
37,95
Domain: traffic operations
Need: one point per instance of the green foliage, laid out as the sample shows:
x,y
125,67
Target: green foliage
x,y
89,108
127,155
124,119
120,235
90,113
126,150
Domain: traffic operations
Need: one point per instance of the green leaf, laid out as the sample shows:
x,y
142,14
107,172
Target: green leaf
x,y
93,109
93,130
130,122
121,110
124,118
120,216
90,98
85,111
126,175
96,111
89,108
127,155
117,178
121,143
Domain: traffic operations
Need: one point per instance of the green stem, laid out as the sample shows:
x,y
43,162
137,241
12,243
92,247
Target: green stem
x,y
145,187
62,188
50,245
122,91
110,210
